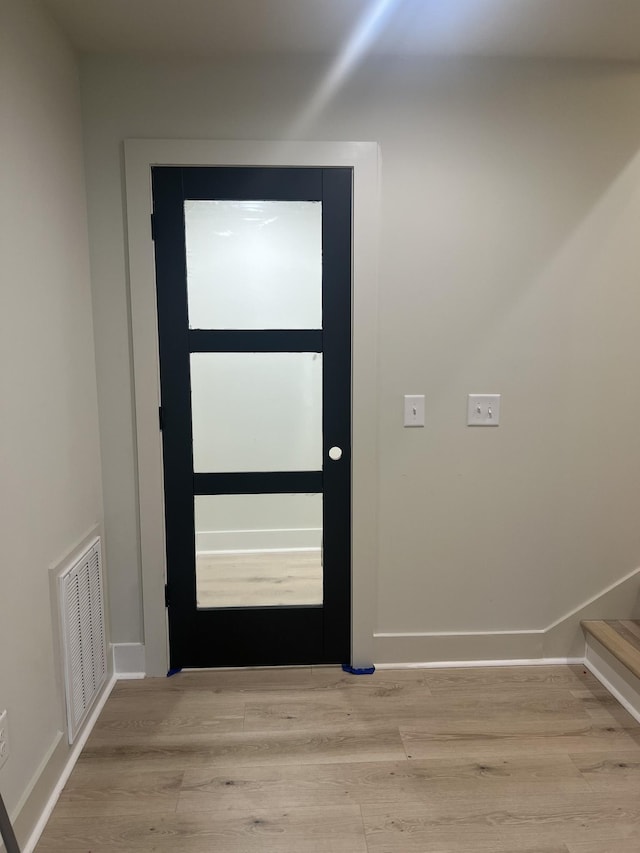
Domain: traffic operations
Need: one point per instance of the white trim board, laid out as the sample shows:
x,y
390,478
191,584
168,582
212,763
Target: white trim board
x,y
477,664
128,660
363,157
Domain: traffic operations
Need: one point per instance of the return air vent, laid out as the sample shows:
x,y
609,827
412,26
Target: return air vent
x,y
83,635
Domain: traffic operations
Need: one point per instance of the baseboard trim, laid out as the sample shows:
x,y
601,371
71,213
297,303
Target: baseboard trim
x,y
69,764
128,660
458,664
37,791
613,675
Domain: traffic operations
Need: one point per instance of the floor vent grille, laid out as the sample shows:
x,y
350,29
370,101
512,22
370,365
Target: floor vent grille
x,y
83,635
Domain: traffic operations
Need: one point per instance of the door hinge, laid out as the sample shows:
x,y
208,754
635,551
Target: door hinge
x,y
160,419
167,602
153,227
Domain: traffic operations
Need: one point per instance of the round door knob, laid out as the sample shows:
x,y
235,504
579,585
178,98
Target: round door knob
x,y
335,453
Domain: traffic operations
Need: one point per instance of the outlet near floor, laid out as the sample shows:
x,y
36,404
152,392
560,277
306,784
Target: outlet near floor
x,y
4,738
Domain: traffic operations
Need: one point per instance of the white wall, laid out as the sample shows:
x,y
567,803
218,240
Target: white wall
x,y
49,446
509,259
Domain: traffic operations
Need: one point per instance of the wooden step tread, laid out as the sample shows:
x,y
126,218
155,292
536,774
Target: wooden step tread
x,y
621,637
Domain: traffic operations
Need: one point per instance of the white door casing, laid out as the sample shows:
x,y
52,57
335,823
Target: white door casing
x,y
363,157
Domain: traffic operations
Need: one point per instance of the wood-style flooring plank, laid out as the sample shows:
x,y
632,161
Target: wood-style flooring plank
x,y
339,708
115,731
610,771
514,702
95,794
162,708
484,738
372,782
502,678
607,846
485,818
313,830
606,709
164,752
487,843
327,705
161,697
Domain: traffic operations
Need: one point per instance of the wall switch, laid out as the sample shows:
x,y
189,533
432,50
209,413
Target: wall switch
x,y
4,738
414,410
483,410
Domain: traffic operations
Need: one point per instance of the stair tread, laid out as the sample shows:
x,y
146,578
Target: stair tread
x,y
621,637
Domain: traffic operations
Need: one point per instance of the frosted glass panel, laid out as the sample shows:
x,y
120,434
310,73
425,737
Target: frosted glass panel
x,y
256,411
258,550
254,264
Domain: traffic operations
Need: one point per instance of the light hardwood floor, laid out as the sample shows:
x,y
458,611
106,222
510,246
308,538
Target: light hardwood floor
x,y
312,760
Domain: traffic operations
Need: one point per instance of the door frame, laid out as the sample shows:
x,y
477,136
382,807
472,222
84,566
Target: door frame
x,y
363,158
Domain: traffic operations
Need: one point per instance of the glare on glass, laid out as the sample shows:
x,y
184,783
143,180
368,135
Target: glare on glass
x,y
254,264
256,411
258,550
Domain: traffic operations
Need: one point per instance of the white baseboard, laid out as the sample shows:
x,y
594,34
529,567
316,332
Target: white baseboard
x,y
614,676
458,664
72,757
462,647
36,794
285,539
128,660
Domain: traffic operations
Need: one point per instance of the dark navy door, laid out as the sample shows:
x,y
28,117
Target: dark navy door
x,y
253,271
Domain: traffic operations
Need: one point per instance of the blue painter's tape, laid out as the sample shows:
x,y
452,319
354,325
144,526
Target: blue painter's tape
x,y
354,670
174,672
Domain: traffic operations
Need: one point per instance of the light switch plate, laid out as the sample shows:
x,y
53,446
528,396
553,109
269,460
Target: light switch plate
x,y
414,410
483,410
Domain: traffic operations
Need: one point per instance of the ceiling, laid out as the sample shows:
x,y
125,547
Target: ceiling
x,y
588,29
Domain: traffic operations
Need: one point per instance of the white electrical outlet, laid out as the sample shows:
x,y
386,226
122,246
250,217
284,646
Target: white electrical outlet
x,y
4,738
